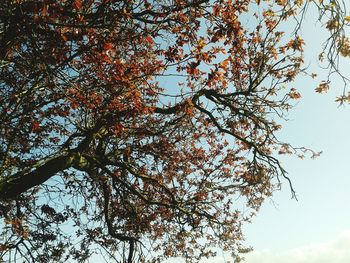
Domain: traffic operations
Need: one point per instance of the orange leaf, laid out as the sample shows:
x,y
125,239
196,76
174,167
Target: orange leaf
x,y
294,94
77,4
35,126
149,40
322,88
108,46
44,9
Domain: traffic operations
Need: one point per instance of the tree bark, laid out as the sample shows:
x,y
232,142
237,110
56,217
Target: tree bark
x,y
14,185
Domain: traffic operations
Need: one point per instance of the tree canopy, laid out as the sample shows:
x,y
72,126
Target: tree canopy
x,y
142,130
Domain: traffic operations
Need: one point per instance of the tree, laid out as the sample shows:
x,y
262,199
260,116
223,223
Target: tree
x,y
133,126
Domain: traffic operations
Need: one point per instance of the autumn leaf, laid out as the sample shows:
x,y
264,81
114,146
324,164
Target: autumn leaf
x,y
108,46
294,94
149,40
35,126
296,44
148,118
224,64
216,9
299,3
323,87
78,4
44,9
332,24
344,98
3,247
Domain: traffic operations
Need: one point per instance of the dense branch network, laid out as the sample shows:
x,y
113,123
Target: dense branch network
x,y
135,126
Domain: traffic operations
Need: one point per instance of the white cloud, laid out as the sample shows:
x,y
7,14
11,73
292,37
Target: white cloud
x,y
334,251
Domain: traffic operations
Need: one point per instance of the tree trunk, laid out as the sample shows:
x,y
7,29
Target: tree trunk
x,y
14,185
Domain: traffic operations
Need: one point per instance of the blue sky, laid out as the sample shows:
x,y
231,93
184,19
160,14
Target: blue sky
x,y
321,214
316,228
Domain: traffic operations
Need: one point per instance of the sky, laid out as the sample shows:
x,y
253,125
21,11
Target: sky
x,y
320,219
316,227
335,250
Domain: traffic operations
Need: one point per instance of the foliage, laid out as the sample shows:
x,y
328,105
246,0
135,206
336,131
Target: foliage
x,y
134,126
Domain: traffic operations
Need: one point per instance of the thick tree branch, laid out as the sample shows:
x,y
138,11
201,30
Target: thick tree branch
x,y
12,186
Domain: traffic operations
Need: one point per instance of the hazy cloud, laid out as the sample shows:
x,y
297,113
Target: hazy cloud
x,y
335,251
